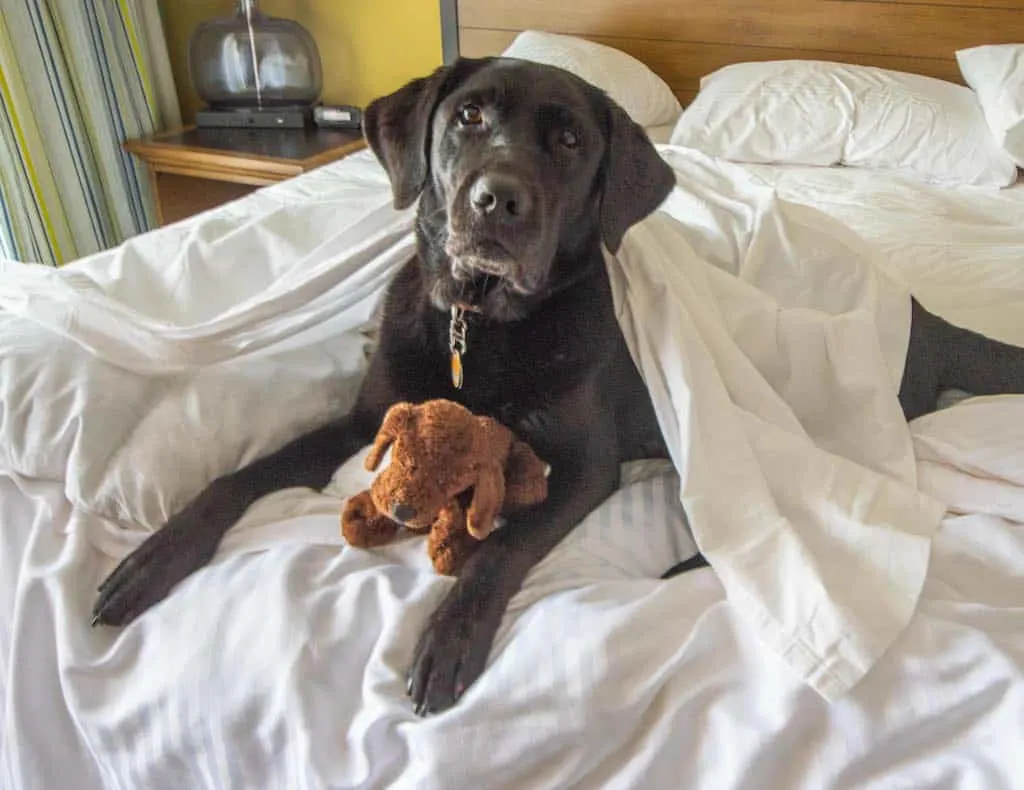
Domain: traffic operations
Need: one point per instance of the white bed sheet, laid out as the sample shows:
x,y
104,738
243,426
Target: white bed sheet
x,y
960,249
602,676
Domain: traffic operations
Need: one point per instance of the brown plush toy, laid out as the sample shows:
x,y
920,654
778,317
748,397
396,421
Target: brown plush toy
x,y
451,473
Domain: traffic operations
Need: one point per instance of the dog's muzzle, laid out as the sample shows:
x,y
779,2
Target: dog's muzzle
x,y
494,220
496,243
501,201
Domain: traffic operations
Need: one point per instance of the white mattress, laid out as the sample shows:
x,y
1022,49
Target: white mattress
x,y
280,665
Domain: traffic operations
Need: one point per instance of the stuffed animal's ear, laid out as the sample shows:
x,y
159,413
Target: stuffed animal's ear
x,y
398,418
397,127
636,178
488,495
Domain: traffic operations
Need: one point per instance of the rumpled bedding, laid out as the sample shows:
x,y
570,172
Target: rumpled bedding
x,y
770,328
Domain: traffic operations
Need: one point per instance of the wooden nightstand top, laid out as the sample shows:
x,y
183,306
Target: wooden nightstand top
x,y
244,156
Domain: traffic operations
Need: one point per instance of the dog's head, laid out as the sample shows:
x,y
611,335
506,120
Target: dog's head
x,y
523,169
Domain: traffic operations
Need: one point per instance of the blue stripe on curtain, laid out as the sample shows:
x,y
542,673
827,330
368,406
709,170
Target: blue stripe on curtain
x,y
76,80
44,38
6,227
15,182
110,103
133,78
116,112
8,247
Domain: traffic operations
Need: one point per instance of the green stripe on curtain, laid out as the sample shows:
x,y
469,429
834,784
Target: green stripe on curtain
x,y
77,78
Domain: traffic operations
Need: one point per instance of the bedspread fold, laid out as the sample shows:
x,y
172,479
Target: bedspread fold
x,y
774,386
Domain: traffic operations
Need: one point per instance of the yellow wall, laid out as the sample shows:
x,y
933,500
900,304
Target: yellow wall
x,y
368,47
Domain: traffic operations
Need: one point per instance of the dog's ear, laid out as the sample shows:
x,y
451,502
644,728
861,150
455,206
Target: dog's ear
x,y
636,178
397,127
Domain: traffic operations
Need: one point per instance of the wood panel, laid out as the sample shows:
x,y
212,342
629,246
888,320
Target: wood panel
x,y
251,156
682,40
851,26
1016,4
179,197
194,169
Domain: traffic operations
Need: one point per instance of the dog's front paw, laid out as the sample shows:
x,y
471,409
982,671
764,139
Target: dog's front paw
x,y
184,544
452,651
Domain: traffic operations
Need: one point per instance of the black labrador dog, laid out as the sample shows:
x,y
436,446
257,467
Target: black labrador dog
x,y
522,172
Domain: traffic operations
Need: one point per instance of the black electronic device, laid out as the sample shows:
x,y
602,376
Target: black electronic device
x,y
253,118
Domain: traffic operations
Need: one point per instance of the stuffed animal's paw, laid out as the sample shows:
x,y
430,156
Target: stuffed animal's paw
x,y
449,544
363,526
449,551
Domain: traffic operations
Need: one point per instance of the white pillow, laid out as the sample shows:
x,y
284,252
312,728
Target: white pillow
x,y
639,91
996,73
806,112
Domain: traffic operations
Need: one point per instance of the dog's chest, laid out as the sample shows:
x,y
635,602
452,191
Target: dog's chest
x,y
508,371
522,360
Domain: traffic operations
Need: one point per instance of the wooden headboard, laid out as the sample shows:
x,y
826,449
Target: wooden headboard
x,y
682,40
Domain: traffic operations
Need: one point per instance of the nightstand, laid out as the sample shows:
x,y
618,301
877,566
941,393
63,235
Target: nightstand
x,y
194,169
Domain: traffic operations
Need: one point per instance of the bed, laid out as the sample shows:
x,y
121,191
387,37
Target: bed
x,y
130,378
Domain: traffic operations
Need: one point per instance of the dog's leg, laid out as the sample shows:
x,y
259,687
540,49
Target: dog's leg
x,y
941,356
452,651
190,538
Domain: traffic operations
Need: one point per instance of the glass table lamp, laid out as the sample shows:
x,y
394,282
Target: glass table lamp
x,y
251,60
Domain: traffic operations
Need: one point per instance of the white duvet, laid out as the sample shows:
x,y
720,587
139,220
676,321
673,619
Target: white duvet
x,y
130,379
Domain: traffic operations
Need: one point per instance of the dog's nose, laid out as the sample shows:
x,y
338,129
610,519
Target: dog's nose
x,y
402,512
500,196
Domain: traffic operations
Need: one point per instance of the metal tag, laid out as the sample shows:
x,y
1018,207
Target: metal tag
x,y
457,370
457,344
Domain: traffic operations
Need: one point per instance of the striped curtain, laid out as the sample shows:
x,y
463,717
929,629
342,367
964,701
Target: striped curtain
x,y
77,78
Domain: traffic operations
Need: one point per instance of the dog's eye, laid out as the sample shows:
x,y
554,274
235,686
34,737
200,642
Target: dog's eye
x,y
470,115
569,139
